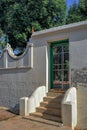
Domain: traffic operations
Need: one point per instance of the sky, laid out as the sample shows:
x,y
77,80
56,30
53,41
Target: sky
x,y
70,2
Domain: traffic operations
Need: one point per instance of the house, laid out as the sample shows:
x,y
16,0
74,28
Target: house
x,y
56,59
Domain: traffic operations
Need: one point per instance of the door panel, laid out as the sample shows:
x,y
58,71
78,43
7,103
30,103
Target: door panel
x,y
60,65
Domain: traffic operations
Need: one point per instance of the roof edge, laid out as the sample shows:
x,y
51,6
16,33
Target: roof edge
x,y
60,28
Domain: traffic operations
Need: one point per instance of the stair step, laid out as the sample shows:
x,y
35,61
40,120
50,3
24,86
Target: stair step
x,y
50,105
50,108
50,111
56,90
53,99
55,94
46,116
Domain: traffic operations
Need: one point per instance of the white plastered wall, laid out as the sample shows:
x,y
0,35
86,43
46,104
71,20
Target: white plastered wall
x,y
77,35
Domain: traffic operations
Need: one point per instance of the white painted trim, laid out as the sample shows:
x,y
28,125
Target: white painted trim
x,y
47,69
31,55
23,106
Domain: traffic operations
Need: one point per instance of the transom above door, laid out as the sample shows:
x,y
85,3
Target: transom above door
x,y
59,64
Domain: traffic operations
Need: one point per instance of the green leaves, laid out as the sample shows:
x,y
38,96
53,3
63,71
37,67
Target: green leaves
x,y
83,9
21,37
18,17
3,39
77,12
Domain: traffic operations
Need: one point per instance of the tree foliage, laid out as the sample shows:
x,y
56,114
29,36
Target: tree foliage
x,y
3,39
77,12
83,9
18,16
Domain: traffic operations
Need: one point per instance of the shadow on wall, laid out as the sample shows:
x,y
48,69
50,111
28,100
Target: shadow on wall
x,y
13,89
15,109
79,77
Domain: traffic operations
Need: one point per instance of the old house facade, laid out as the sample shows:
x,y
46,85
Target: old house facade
x,y
55,59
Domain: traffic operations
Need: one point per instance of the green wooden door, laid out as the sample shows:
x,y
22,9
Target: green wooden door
x,y
59,64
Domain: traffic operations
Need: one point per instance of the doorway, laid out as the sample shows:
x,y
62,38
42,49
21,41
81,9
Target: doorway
x,y
59,64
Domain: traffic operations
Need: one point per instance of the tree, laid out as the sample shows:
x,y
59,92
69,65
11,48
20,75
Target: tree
x,y
83,9
19,16
77,12
73,14
3,39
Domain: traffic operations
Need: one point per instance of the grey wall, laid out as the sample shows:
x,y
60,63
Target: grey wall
x,y
19,82
78,62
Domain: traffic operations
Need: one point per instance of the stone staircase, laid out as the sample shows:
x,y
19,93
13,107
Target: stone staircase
x,y
50,108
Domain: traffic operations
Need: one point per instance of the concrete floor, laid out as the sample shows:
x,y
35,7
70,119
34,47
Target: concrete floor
x,y
9,121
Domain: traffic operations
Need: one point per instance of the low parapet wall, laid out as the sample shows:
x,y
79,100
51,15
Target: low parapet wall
x,y
8,60
69,108
29,104
14,74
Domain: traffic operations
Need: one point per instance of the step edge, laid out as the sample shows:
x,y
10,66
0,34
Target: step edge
x,y
46,113
42,120
44,108
41,115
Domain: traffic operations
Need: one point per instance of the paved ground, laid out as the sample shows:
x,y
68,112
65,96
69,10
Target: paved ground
x,y
9,121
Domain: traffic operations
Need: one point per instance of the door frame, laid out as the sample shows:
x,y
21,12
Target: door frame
x,y
55,44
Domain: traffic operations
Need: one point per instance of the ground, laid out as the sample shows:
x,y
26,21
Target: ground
x,y
10,121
